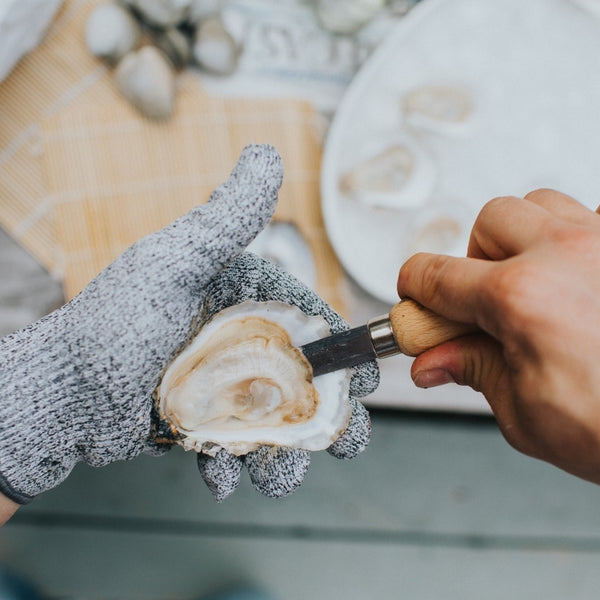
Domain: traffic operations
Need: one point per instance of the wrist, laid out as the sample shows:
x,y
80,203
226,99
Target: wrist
x,y
38,441
7,508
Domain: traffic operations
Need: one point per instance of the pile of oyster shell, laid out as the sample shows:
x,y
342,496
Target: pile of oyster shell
x,y
147,41
394,171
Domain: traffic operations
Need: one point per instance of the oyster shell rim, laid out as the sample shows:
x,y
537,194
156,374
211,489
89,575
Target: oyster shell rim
x,y
335,384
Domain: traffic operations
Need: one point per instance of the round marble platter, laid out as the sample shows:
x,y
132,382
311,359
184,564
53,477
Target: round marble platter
x,y
465,100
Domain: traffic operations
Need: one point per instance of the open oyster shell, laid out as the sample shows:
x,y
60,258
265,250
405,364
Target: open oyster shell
x,y
439,108
242,383
390,171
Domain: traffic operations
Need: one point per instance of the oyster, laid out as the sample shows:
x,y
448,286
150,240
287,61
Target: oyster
x,y
214,48
439,108
347,16
147,80
111,32
243,383
393,172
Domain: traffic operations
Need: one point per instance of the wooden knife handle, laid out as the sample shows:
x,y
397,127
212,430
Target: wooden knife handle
x,y
417,328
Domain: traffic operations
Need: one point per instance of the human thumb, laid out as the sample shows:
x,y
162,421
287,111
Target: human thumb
x,y
474,360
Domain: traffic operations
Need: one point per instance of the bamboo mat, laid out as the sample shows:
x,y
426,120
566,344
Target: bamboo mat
x,y
83,176
42,82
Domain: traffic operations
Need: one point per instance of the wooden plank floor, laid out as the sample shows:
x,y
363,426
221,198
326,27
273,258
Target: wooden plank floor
x,y
438,507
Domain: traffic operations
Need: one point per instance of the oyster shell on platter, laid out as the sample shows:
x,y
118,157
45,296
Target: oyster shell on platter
x,y
242,383
390,171
443,109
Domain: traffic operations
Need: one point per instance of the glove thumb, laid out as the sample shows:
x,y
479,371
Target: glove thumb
x,y
212,234
474,360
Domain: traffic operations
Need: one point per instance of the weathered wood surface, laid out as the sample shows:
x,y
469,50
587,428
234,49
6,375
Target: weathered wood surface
x,y
27,292
421,475
437,507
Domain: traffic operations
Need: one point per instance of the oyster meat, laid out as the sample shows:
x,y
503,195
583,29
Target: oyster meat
x,y
242,383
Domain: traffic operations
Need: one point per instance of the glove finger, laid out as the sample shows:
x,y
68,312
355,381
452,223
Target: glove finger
x,y
250,277
365,379
209,236
276,471
221,473
152,448
357,435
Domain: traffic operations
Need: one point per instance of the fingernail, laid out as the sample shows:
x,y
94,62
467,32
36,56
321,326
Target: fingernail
x,y
432,378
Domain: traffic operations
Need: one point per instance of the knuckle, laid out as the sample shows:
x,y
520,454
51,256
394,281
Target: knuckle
x,y
415,275
491,211
539,195
432,276
510,290
412,263
497,202
404,275
511,434
514,436
472,372
580,242
491,207
521,433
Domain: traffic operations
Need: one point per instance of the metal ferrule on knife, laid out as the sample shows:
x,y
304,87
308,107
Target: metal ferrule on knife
x,y
382,336
409,329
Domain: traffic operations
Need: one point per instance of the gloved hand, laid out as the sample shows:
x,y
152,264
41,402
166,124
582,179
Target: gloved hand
x,y
77,385
277,471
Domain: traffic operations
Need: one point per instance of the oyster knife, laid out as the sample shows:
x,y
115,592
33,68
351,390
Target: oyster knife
x,y
409,328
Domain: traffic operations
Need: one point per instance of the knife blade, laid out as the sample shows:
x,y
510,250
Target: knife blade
x,y
409,328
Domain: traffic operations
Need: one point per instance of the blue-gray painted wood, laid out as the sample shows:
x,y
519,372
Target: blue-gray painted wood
x,y
110,564
428,474
436,508
27,291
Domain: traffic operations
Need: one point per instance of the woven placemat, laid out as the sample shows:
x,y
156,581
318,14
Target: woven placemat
x,y
83,175
44,81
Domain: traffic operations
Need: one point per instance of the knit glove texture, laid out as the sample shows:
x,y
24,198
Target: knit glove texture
x,y
77,385
277,471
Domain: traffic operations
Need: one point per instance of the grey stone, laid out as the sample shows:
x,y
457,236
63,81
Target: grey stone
x,y
111,32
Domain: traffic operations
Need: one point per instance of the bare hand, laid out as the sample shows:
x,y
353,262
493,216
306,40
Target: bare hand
x,y
531,282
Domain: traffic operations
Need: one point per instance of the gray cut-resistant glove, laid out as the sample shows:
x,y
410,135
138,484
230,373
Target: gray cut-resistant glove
x,y
77,385
278,471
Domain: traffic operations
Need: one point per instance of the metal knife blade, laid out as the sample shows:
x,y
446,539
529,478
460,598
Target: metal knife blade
x,y
409,328
351,347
